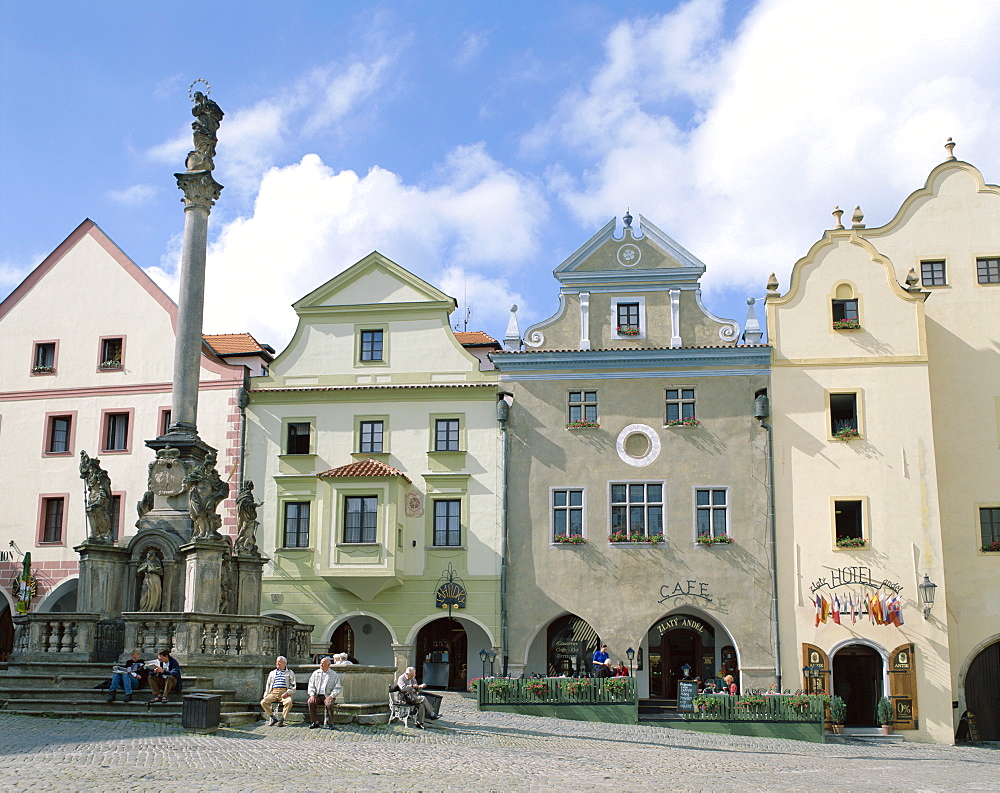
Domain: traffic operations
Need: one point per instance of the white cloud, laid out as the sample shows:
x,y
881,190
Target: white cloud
x,y
135,194
807,107
471,45
310,223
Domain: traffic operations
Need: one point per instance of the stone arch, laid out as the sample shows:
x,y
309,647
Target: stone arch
x,y
68,585
172,597
858,715
541,627
672,650
963,673
335,623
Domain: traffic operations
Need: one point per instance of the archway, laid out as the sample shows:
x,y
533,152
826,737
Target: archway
x,y
442,649
365,640
570,645
982,691
6,631
858,675
684,639
61,599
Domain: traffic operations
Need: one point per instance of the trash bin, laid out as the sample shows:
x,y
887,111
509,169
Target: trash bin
x,y
201,712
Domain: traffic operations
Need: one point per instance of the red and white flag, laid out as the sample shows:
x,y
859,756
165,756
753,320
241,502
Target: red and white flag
x,y
836,609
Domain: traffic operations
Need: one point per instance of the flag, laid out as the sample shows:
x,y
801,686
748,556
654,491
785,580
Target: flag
x,y
885,610
899,611
825,609
850,606
836,609
818,610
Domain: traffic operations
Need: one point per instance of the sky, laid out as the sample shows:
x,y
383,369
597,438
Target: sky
x,y
479,144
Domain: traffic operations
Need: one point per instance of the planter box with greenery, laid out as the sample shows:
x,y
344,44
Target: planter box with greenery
x,y
110,364
709,540
846,324
583,424
628,330
688,422
838,714
621,538
42,369
562,539
851,542
847,434
991,547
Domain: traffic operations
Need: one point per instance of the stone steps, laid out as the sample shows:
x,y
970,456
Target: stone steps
x,y
65,693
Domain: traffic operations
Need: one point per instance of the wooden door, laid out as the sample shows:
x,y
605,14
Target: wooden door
x,y
903,687
982,692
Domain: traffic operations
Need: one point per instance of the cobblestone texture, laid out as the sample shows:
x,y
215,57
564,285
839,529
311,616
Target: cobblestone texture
x,y
465,751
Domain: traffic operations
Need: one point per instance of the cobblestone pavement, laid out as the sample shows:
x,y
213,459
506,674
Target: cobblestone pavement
x,y
465,751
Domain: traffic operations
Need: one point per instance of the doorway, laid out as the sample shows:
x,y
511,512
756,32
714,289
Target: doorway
x,y
676,648
442,649
982,692
858,673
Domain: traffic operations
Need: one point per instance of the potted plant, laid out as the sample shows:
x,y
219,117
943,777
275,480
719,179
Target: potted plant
x,y
111,363
708,539
851,542
628,330
708,704
583,424
885,715
42,369
838,713
578,686
500,687
563,539
537,688
991,547
617,686
690,421
846,324
846,434
635,538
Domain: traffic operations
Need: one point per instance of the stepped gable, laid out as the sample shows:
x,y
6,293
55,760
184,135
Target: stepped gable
x,y
369,468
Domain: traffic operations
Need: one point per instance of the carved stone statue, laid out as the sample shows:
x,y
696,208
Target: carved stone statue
x,y
227,587
206,491
144,505
208,117
246,521
151,573
97,497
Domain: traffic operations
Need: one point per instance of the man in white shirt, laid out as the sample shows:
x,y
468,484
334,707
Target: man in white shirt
x,y
408,687
325,687
278,688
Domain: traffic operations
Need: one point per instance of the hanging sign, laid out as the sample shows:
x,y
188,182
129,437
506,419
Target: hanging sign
x,y
853,576
450,595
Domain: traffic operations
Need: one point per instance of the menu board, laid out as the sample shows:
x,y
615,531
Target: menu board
x,y
687,690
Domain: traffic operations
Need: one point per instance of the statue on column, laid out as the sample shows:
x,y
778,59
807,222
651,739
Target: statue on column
x,y
97,498
246,521
206,491
208,118
151,571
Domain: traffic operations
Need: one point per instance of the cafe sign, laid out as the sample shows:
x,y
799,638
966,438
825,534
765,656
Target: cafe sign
x,y
688,588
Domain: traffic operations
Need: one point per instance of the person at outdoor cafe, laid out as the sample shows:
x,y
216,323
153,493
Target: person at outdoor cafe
x,y
604,670
621,670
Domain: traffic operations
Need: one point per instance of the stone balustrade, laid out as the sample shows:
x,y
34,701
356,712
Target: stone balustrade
x,y
67,636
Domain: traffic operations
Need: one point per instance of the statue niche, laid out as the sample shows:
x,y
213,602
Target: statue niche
x,y
150,579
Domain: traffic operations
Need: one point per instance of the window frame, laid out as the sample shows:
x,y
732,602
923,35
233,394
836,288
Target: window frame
x,y
438,421
286,505
106,415
863,514
164,417
712,508
117,505
34,357
450,455
646,504
364,421
42,521
48,434
680,401
582,404
857,393
991,263
640,300
102,340
359,341
436,502
932,281
367,496
980,509
286,425
568,508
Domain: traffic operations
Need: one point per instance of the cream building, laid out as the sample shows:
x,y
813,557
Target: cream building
x,y
374,444
86,364
886,415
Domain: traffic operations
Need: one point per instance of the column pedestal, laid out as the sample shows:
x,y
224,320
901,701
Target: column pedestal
x,y
248,575
102,584
203,575
403,656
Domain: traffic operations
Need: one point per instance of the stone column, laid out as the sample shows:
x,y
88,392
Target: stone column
x,y
203,575
403,656
102,585
248,575
201,192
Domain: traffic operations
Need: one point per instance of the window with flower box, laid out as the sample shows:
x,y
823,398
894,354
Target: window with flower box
x,y
989,528
43,358
111,353
628,318
636,510
567,513
680,407
844,423
582,406
848,520
711,513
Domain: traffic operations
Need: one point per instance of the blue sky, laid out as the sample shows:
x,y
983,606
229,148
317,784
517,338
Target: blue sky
x,y
479,144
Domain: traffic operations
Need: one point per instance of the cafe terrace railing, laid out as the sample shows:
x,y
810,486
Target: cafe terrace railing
x,y
757,707
582,699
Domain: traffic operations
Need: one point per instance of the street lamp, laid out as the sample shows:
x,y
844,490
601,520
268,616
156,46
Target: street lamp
x,y
492,656
482,657
630,654
812,672
686,670
927,593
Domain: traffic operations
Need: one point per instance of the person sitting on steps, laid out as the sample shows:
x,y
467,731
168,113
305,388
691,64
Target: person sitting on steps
x,y
166,677
130,679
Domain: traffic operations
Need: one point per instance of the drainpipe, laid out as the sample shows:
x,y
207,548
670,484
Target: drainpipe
x,y
503,413
762,411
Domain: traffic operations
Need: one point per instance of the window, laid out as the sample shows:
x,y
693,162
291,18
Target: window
x,y
116,516
360,518
637,508
43,360
448,522
53,514
583,406
989,525
165,418
628,319
297,439
111,353
116,437
845,310
370,437
712,512
988,271
446,438
844,415
371,345
847,520
567,513
680,405
932,273
60,438
296,524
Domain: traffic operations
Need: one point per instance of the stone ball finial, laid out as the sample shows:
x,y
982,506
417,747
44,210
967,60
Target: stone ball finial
x,y
772,284
627,219
912,279
751,301
857,218
513,309
838,213
950,146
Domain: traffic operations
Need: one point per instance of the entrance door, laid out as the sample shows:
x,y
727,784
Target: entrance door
x,y
857,677
982,692
442,649
677,648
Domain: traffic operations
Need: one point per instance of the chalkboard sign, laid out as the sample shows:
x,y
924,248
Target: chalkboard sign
x,y
687,690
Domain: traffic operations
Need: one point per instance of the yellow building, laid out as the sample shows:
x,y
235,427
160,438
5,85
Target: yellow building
x,y
885,396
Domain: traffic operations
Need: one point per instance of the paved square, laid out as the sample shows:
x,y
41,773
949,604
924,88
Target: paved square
x,y
465,751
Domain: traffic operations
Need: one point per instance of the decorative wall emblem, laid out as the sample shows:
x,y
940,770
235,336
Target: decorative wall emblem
x,y
629,255
450,593
414,504
638,451
166,473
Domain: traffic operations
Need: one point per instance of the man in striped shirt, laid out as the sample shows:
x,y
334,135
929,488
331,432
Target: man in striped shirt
x,y
278,688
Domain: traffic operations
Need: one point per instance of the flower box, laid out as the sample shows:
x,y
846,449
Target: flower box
x,y
851,542
689,422
578,686
991,547
621,538
110,364
562,539
628,330
537,688
707,539
846,324
846,434
583,424
42,369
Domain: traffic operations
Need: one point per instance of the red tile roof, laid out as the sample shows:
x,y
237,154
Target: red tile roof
x,y
236,344
476,338
369,467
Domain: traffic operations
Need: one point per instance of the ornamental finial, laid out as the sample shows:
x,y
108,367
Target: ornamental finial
x,y
950,146
857,218
838,213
